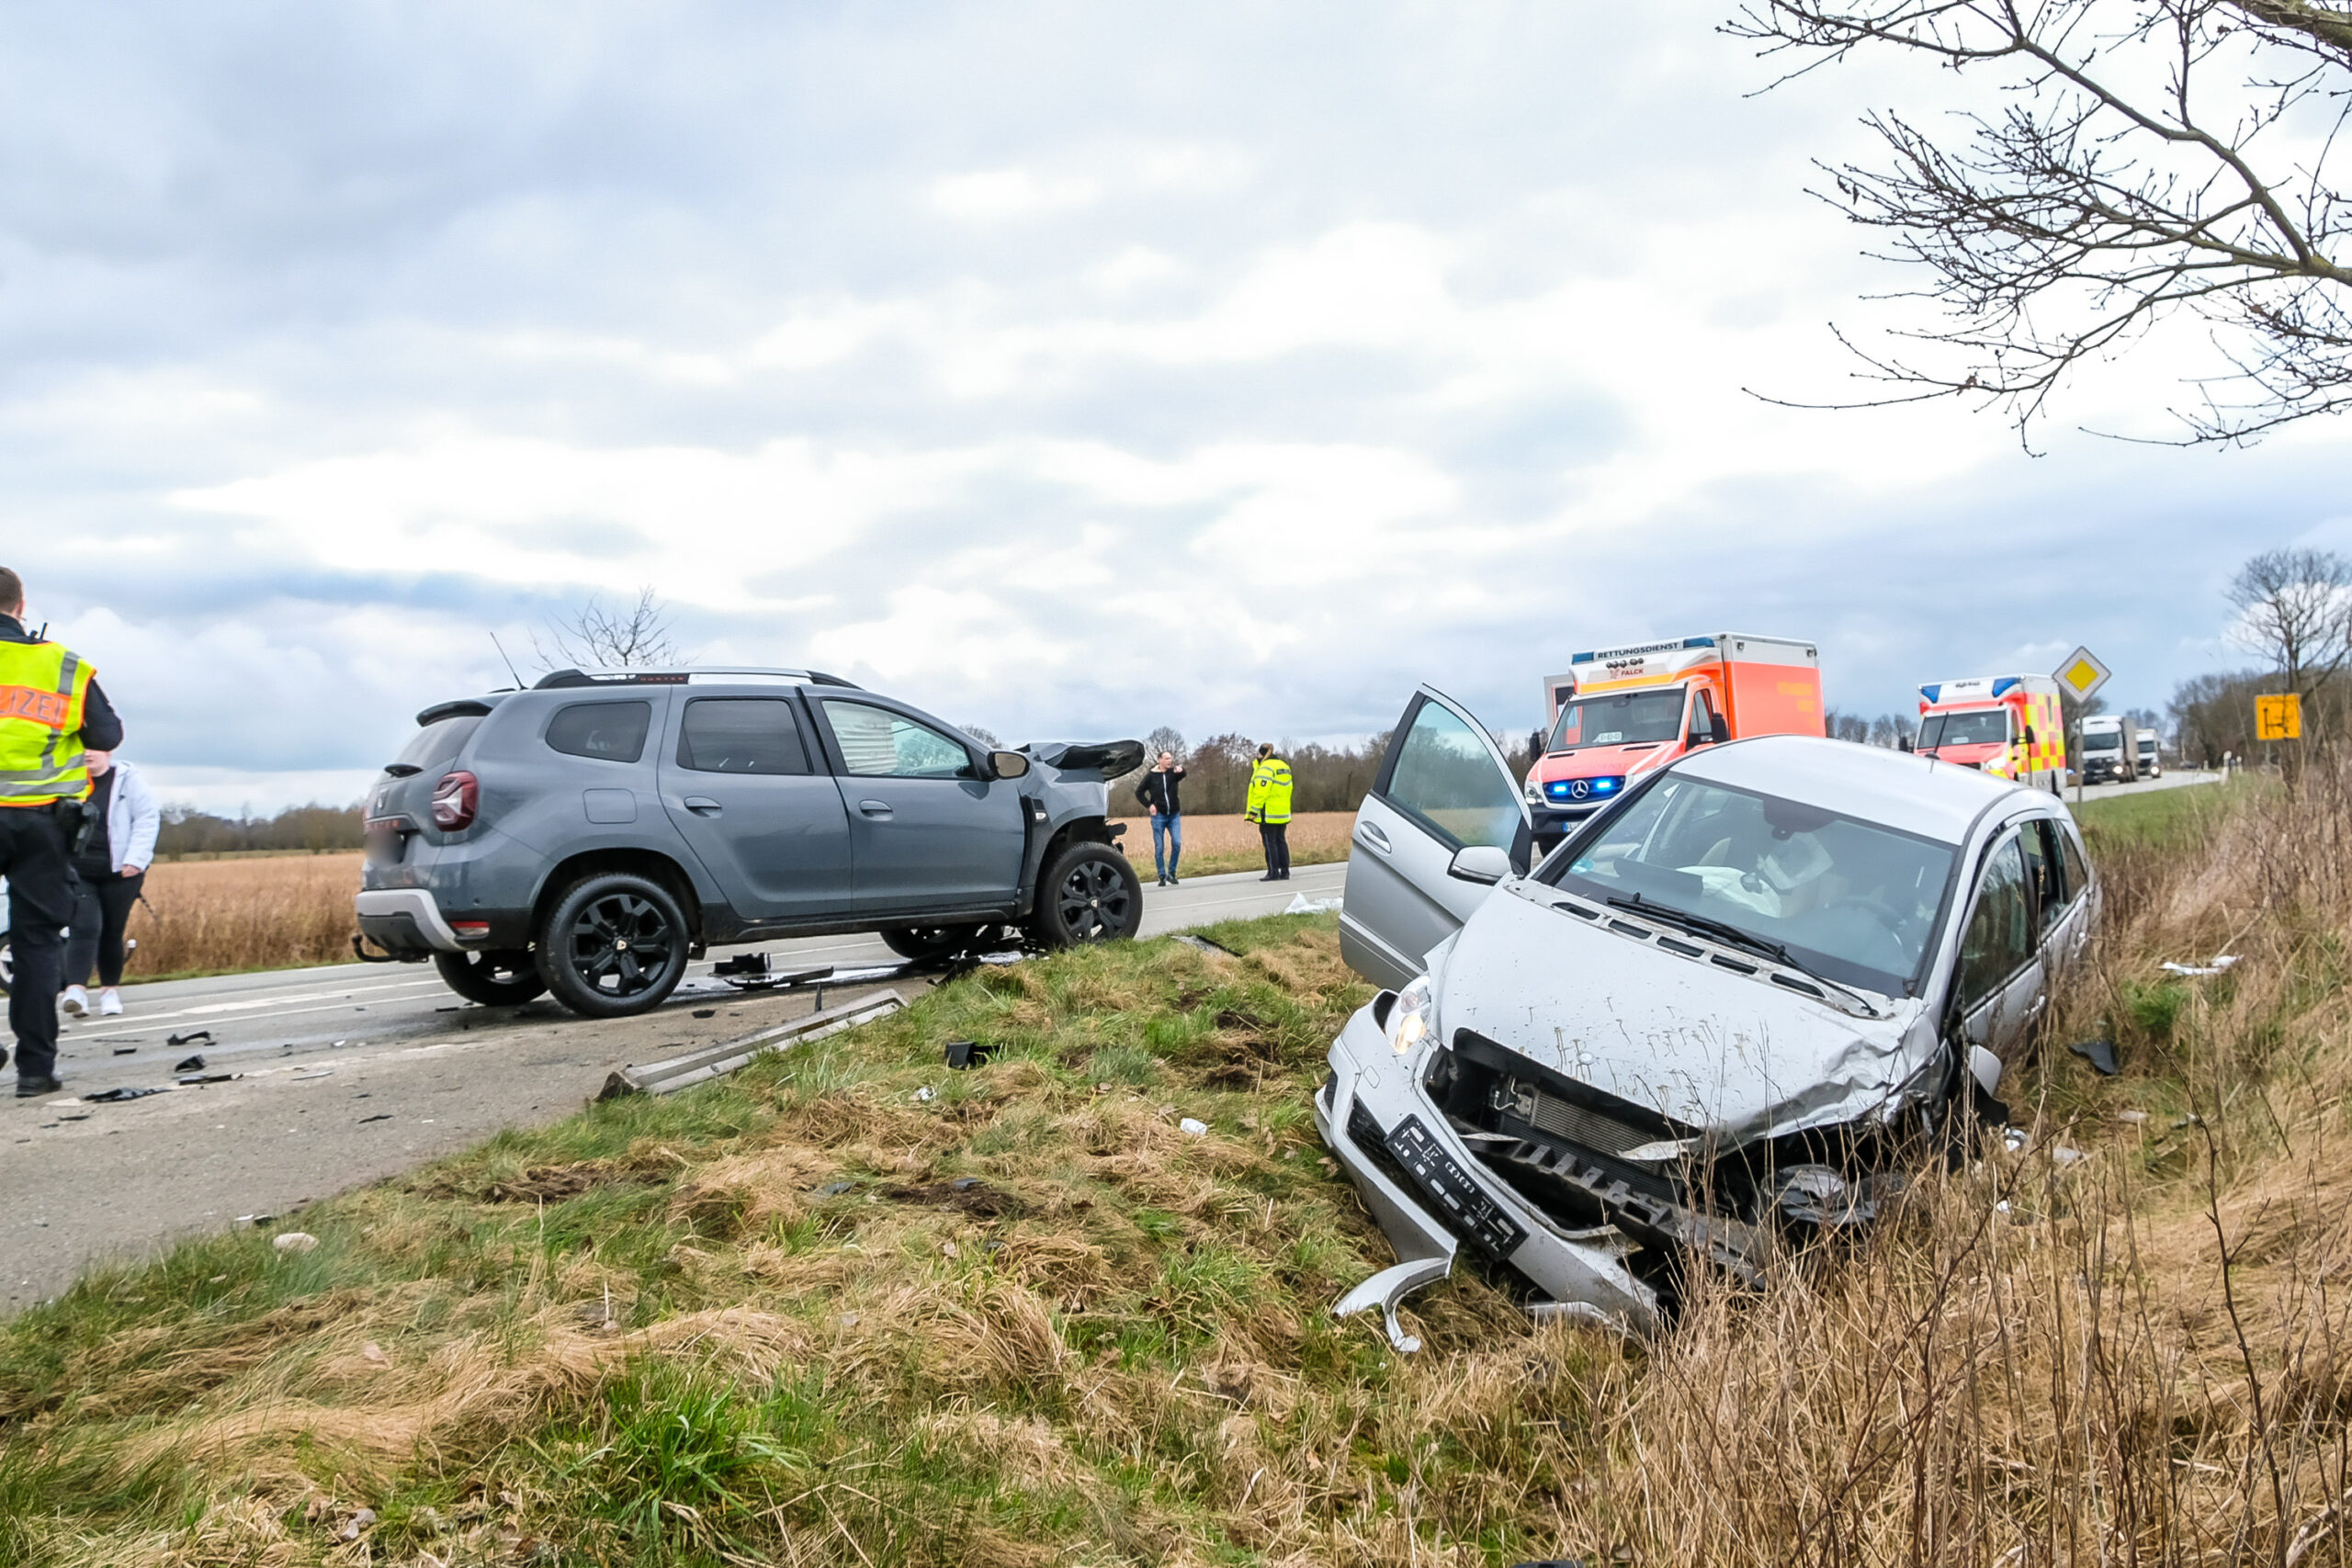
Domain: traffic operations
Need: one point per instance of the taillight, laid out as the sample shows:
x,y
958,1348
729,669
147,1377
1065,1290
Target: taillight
x,y
455,800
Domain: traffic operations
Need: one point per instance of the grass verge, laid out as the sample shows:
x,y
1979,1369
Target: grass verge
x,y
808,1315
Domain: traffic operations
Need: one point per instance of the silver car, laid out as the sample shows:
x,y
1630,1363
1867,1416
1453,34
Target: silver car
x,y
1713,1020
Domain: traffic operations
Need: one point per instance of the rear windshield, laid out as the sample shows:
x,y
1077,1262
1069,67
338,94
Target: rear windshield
x,y
435,744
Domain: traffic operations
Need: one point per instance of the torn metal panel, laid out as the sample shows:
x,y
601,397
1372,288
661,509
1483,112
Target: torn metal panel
x,y
732,1055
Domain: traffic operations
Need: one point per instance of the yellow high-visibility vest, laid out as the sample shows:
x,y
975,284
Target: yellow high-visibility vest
x,y
44,687
1270,791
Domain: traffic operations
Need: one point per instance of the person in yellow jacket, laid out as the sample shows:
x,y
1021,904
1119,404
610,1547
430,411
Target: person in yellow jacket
x,y
50,709
1269,806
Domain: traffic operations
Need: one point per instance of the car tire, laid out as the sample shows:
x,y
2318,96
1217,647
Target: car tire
x,y
494,979
7,965
614,945
919,943
1090,893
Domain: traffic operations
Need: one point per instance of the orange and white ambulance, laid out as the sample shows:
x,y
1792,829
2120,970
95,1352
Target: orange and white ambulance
x,y
2008,725
1622,713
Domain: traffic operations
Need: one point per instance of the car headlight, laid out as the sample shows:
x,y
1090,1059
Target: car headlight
x,y
1414,1018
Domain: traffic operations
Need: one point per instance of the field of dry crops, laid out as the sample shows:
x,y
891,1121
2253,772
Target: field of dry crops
x,y
260,912
276,911
1213,844
810,1315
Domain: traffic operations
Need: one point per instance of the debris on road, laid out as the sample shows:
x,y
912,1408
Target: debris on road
x,y
718,1061
189,1039
115,1096
705,1012
1205,945
126,1050
380,1116
253,1219
2100,1054
294,1241
204,1078
1191,1128
1300,904
2220,962
926,1094
191,1064
963,1054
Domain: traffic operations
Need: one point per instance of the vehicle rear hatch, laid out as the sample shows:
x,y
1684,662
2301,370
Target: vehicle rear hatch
x,y
399,806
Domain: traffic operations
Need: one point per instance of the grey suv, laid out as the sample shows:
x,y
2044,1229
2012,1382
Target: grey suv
x,y
590,835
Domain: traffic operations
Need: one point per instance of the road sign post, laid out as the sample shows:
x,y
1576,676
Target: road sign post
x,y
2082,673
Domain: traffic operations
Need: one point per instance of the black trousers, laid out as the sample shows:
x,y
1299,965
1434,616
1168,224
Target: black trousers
x,y
40,902
1276,836
101,913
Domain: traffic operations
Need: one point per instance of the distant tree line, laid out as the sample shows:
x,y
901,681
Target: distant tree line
x,y
320,829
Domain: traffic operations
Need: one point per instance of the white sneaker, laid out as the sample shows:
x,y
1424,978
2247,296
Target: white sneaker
x,y
110,1003
75,1002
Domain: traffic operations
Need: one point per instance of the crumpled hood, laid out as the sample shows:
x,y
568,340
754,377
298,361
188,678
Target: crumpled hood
x,y
1698,1044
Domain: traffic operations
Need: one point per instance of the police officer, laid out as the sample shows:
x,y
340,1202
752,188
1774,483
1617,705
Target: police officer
x,y
50,708
1269,806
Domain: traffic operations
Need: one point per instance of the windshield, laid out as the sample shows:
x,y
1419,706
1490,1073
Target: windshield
x,y
1852,901
1619,719
2102,740
1982,727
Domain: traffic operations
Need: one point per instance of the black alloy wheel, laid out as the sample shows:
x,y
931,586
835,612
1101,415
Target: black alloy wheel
x,y
1090,893
922,943
7,965
505,979
613,946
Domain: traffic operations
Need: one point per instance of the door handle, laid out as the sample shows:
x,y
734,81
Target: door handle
x,y
1374,836
875,808
701,806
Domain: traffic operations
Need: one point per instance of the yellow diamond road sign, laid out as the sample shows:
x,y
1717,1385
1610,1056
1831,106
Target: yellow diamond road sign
x,y
2082,675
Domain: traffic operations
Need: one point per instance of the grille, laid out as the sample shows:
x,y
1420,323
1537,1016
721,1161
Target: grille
x,y
1574,1124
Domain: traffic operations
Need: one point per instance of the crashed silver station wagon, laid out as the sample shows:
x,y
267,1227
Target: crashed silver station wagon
x,y
1711,1021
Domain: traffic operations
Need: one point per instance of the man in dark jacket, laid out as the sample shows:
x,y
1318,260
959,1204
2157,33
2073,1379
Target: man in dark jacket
x,y
51,711
1158,794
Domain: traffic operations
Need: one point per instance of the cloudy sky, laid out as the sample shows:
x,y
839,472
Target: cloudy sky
x,y
1064,368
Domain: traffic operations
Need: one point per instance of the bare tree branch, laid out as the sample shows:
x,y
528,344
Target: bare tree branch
x,y
592,638
2142,166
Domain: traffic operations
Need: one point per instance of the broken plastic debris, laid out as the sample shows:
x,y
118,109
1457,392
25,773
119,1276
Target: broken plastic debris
x,y
189,1039
110,1096
126,1050
966,1054
372,1351
1205,945
2061,1155
380,1116
835,1189
2132,1116
207,1078
255,1219
294,1241
947,1249
705,1012
1300,904
2220,962
2015,1138
2100,1054
1193,1129
358,1524
926,1094
727,1056
190,1065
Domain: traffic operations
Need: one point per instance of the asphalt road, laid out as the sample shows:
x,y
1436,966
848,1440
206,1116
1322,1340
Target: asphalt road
x,y
2169,780
347,1074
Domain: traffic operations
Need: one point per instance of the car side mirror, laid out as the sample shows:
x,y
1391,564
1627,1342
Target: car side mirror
x,y
1904,742
1722,730
2028,735
1482,863
1008,764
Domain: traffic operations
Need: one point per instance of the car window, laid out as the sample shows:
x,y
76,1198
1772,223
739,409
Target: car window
x,y
2078,874
2000,934
2044,881
1854,900
741,735
878,744
1446,779
609,732
437,743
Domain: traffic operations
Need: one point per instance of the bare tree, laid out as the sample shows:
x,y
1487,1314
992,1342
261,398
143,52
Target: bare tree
x,y
592,638
2148,159
2295,609
1167,737
984,736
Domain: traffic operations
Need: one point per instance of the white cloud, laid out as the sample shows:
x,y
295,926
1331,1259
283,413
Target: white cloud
x,y
988,195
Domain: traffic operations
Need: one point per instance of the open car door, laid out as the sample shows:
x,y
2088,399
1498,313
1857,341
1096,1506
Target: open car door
x,y
1442,787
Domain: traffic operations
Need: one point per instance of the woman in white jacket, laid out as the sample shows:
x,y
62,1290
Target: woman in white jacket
x,y
112,870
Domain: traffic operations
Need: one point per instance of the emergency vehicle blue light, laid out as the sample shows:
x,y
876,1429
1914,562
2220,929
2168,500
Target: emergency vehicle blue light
x,y
2002,683
1929,694
1698,642
1573,790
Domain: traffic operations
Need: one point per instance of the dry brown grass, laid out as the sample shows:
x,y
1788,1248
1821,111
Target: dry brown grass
x,y
2127,1342
1213,844
267,912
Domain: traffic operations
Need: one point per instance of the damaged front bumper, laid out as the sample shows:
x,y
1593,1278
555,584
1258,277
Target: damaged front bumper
x,y
1430,1197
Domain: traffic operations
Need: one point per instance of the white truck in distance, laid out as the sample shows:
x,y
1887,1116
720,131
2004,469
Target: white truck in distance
x,y
2106,750
2149,759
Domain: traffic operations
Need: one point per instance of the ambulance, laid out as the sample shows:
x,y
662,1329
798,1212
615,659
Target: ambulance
x,y
1619,714
2008,725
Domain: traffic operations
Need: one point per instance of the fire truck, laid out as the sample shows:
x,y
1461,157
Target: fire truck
x,y
1622,713
2008,725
